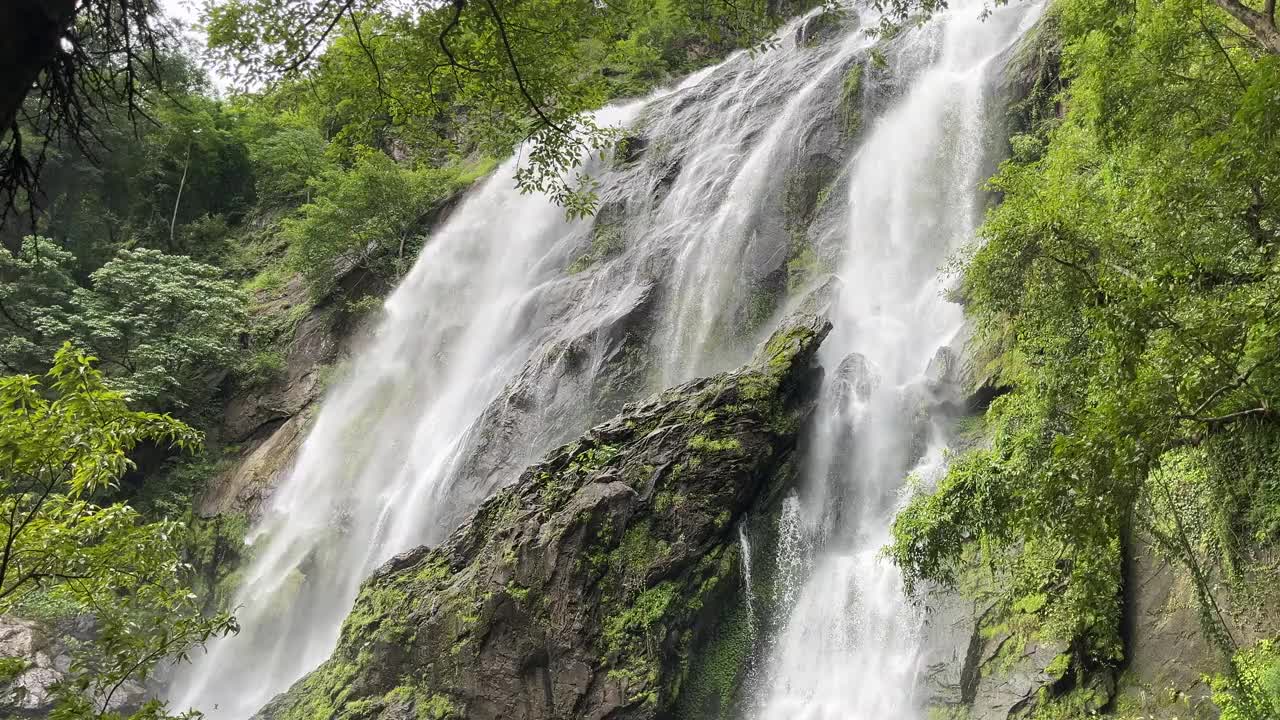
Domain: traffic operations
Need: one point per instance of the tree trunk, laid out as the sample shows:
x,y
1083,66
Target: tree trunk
x,y
173,223
1262,25
30,37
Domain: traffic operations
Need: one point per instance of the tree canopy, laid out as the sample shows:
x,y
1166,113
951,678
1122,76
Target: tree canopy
x,y
1128,292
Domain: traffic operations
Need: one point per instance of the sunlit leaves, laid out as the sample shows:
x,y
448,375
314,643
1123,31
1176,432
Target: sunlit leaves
x,y
65,441
493,76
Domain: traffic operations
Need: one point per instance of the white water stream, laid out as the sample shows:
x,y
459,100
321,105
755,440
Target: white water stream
x,y
489,353
851,646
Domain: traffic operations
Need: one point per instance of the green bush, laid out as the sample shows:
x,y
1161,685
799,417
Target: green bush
x,y
368,217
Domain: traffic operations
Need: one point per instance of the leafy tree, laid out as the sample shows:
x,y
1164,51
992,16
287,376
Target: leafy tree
x,y
1129,287
164,325
196,164
37,304
478,74
514,69
1258,668
1257,23
289,154
68,62
368,217
65,442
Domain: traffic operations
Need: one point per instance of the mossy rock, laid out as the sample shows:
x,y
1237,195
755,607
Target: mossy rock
x,y
600,584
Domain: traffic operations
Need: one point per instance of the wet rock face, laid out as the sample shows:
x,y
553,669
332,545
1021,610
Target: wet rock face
x,y
854,380
585,370
269,422
587,588
38,663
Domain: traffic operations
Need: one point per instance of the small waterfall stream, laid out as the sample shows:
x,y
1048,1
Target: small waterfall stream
x,y
492,351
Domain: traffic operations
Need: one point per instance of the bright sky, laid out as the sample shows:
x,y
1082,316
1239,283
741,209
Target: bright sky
x,y
188,11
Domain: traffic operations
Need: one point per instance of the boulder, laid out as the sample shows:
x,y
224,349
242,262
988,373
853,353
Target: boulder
x,y
35,658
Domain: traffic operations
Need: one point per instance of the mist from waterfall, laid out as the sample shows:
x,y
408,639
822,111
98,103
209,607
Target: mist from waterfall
x,y
491,352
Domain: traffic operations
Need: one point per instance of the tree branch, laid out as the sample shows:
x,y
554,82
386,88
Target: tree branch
x,y
1262,25
515,68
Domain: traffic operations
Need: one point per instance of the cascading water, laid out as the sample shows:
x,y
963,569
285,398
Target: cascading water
x,y
491,352
850,646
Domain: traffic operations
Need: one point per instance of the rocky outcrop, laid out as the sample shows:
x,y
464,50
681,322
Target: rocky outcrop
x,y
35,659
589,587
1168,655
264,424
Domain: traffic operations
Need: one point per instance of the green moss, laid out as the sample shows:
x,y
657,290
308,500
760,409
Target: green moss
x,y
702,443
11,668
1059,667
763,303
319,695
785,345
606,241
716,673
631,637
639,617
638,550
669,500
948,712
433,570
802,266
517,591
436,707
380,614
271,280
851,101
593,459
1080,702
824,196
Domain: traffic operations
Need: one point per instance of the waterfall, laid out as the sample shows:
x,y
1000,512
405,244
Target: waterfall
x,y
748,593
850,646
497,346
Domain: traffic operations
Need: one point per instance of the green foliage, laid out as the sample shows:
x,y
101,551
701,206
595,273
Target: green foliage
x,y
263,366
64,441
606,241
37,304
153,184
368,217
1130,277
1253,690
717,670
702,443
160,322
11,668
289,154
851,101
802,267
453,79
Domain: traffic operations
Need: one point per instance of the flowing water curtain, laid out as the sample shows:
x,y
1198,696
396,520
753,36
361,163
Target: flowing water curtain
x,y
489,354
851,644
